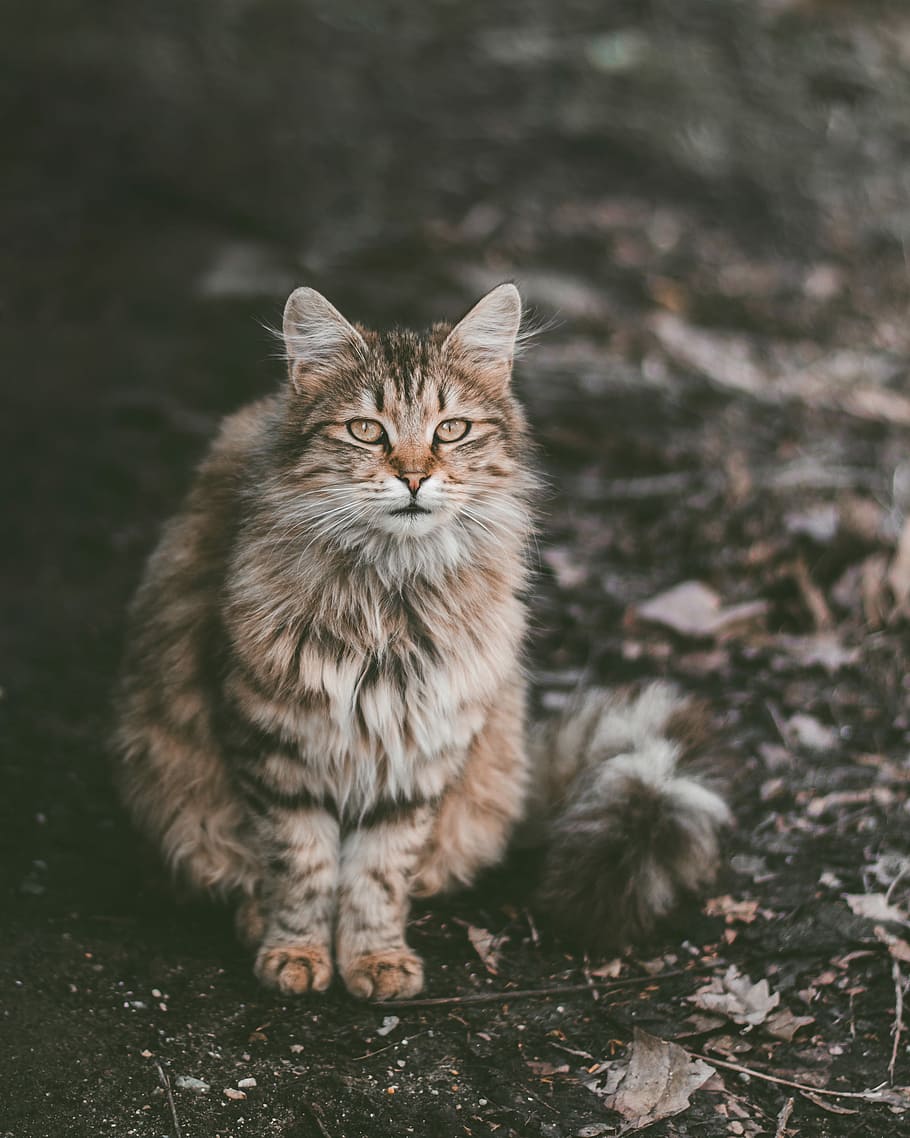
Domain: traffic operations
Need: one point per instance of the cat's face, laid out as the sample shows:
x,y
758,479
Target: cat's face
x,y
406,439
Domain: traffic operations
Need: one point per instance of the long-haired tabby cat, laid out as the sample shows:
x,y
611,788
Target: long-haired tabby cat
x,y
322,708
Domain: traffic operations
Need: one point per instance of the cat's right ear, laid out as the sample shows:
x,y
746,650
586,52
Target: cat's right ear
x,y
316,338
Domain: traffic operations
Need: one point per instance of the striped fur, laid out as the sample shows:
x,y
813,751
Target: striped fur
x,y
321,711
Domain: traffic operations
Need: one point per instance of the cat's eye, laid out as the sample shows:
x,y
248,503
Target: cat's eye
x,y
366,430
452,430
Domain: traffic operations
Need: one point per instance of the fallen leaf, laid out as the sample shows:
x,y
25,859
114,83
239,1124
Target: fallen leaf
x,y
808,732
732,911
655,1083
750,865
879,796
784,1024
698,1023
874,907
727,1045
890,866
542,1068
566,569
823,650
487,946
736,997
692,609
899,570
898,1098
897,946
609,970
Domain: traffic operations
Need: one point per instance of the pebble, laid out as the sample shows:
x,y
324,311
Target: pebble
x,y
188,1083
246,1083
233,1095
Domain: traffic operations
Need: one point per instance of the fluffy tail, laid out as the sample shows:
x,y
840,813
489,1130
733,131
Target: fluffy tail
x,y
627,793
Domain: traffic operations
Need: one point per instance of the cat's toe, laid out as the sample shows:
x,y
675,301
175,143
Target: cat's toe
x,y
393,975
294,969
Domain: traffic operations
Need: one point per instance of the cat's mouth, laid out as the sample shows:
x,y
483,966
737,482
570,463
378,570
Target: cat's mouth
x,y
410,510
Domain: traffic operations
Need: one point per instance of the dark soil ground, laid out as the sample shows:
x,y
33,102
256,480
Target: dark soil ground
x,y
710,202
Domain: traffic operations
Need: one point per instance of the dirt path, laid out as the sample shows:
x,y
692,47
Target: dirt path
x,y
711,209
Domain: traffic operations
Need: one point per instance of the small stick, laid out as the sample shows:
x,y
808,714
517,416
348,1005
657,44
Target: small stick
x,y
166,1083
783,1118
813,597
894,884
866,1096
898,1028
528,993
318,1119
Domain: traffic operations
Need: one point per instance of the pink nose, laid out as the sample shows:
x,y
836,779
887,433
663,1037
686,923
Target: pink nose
x,y
413,479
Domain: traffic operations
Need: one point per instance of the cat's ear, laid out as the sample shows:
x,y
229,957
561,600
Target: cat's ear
x,y
316,338
485,339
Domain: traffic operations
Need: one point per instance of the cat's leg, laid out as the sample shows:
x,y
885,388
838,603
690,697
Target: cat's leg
x,y
479,811
298,899
377,864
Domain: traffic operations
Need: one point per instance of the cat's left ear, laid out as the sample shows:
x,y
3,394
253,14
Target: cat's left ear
x,y
485,338
317,338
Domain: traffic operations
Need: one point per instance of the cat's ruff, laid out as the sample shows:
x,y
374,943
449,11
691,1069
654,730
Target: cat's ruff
x,y
322,704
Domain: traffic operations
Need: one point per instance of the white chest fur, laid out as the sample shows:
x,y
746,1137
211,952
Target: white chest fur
x,y
387,722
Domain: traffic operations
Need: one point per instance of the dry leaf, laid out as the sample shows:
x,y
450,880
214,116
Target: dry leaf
x,y
543,1069
566,569
898,1098
784,1024
736,997
609,970
899,570
487,946
874,907
823,650
732,911
692,609
698,1023
655,1083
879,796
727,1045
808,732
897,946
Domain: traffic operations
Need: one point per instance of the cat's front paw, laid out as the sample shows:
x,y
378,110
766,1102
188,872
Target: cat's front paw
x,y
294,969
396,974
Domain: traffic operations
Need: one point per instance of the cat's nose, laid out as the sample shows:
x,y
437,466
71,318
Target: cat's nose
x,y
413,479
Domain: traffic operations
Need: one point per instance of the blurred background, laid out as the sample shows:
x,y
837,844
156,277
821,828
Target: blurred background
x,y
708,203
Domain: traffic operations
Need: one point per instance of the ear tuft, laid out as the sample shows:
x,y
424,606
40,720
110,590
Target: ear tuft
x,y
315,333
487,335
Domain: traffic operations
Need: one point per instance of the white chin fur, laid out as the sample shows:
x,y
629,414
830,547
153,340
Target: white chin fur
x,y
410,525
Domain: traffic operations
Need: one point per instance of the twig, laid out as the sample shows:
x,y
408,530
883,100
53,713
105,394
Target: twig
x,y
395,1043
316,1115
813,597
166,1083
898,1028
777,720
528,993
872,1095
783,1118
894,884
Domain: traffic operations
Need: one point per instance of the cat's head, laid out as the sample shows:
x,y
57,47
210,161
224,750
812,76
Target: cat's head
x,y
398,440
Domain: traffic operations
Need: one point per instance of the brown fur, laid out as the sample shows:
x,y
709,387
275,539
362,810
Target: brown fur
x,y
321,712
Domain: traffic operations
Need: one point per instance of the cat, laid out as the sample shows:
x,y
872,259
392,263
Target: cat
x,y
321,712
